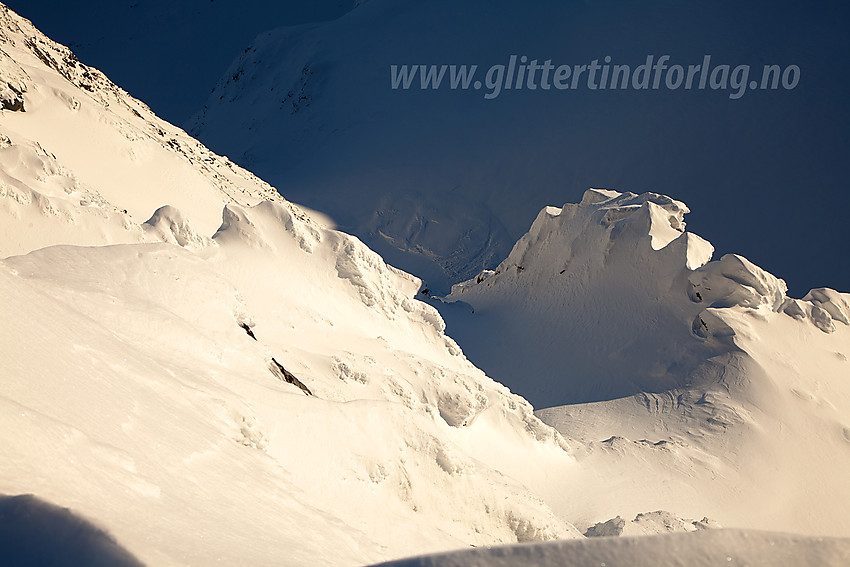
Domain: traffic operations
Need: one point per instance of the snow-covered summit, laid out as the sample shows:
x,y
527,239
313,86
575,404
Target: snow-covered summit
x,y
615,285
587,231
611,301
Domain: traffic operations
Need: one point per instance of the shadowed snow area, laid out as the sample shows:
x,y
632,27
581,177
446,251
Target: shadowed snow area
x,y
35,532
442,182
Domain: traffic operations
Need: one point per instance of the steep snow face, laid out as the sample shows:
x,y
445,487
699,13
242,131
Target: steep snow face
x,y
443,182
709,384
615,286
592,301
150,369
90,160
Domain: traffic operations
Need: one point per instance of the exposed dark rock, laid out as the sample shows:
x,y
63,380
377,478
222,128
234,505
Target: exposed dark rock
x,y
12,98
248,330
15,104
287,376
612,527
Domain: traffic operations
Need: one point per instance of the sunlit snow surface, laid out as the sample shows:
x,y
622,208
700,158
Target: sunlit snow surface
x,y
133,395
706,549
136,261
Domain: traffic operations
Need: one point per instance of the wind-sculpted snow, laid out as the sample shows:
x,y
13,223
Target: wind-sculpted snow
x,y
735,281
704,365
153,320
168,224
827,305
166,313
294,262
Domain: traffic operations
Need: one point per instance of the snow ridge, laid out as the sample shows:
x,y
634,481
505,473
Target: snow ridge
x,y
631,251
137,261
652,352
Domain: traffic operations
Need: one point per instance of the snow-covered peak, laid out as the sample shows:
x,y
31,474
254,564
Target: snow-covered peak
x,y
559,235
610,301
638,241
638,245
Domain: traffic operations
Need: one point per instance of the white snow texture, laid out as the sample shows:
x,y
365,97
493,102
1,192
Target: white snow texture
x,y
154,292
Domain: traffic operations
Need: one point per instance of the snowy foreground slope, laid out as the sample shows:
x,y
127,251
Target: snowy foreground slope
x,y
704,549
196,366
700,381
133,394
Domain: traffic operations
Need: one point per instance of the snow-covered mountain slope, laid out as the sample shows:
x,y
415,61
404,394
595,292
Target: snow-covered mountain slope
x,y
134,396
706,549
196,366
443,182
659,357
165,314
75,147
168,53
